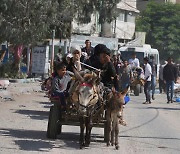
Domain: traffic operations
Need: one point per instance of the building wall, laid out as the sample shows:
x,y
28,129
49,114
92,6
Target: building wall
x,y
122,28
92,28
125,24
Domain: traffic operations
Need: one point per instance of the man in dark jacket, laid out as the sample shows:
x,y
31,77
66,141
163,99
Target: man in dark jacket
x,y
88,48
94,60
108,70
170,77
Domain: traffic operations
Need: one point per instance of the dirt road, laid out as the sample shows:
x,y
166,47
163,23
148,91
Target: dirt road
x,y
151,129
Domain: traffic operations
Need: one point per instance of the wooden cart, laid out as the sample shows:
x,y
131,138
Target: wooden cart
x,y
59,116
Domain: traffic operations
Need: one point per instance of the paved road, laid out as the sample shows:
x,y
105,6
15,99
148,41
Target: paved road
x,y
152,129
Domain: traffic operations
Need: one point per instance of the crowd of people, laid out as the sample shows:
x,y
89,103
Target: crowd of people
x,y
116,71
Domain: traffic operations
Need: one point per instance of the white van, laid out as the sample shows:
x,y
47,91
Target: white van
x,y
141,52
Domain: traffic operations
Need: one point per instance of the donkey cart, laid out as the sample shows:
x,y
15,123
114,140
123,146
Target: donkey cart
x,y
59,115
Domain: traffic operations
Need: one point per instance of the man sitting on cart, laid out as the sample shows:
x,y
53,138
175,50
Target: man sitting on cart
x,y
60,83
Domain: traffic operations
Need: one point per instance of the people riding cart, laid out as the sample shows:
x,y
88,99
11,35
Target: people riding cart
x,y
60,83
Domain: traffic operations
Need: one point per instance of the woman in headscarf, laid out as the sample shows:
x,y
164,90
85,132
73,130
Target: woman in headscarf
x,y
75,60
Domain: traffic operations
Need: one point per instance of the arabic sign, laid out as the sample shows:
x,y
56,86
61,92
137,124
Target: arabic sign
x,y
40,57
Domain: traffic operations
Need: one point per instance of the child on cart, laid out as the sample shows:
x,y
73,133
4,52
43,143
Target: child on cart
x,y
60,84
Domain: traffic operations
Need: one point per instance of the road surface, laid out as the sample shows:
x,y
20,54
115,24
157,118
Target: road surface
x,y
151,129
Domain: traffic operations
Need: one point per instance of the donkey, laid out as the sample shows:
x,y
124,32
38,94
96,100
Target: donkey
x,y
87,100
114,115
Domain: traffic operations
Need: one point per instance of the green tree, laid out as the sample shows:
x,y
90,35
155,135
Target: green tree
x,y
162,22
24,22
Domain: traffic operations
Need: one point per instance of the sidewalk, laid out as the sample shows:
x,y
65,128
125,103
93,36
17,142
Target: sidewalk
x,y
9,91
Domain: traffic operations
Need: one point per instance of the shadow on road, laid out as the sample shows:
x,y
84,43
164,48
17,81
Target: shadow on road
x,y
30,140
164,108
33,114
71,140
46,104
33,140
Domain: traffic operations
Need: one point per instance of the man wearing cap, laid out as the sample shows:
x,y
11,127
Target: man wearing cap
x,y
109,72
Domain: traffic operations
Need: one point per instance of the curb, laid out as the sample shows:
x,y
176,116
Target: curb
x,y
29,80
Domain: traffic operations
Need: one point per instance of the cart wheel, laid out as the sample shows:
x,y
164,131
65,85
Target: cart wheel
x,y
141,89
105,132
59,127
53,122
105,128
137,89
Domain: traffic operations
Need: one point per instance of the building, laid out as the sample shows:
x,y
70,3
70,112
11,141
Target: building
x,y
122,28
125,22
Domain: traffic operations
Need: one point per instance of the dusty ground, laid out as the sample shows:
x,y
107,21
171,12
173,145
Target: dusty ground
x,y
152,129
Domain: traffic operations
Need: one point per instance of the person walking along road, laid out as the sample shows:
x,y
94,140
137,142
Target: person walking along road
x,y
147,77
153,76
170,77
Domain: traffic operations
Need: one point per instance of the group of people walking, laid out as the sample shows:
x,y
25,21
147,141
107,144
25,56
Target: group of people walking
x,y
116,71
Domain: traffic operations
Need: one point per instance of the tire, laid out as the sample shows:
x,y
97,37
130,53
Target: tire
x,y
141,89
137,89
52,129
105,128
59,128
105,132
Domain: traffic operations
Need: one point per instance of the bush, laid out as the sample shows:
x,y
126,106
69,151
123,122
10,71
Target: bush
x,y
9,70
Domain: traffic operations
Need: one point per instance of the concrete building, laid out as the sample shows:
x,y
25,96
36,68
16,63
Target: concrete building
x,y
125,22
122,28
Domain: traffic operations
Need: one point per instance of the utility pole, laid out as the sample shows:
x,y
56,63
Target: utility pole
x,y
28,59
52,51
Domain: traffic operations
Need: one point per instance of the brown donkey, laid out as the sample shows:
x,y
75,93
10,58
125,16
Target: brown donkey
x,y
113,115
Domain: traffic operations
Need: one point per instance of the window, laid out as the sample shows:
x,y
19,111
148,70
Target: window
x,y
121,16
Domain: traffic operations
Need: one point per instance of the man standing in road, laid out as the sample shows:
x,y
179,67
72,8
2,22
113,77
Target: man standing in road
x,y
125,75
161,80
134,62
153,76
88,49
170,77
147,77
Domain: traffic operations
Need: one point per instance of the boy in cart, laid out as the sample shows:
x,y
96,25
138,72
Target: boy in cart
x,y
60,84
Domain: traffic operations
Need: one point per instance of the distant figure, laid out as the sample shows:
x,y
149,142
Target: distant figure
x,y
154,75
125,75
170,77
120,60
134,62
74,62
2,55
147,78
88,49
161,80
58,57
